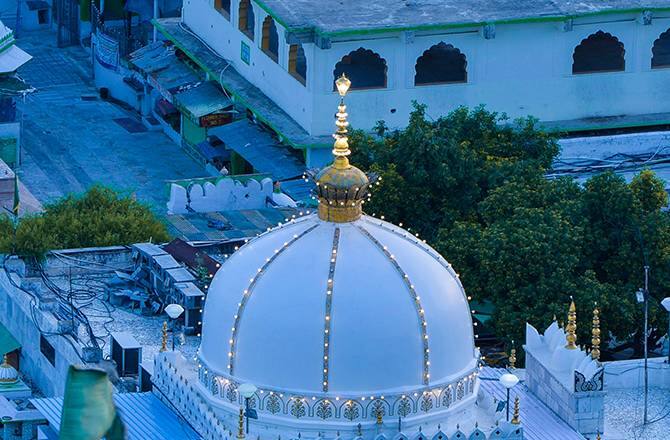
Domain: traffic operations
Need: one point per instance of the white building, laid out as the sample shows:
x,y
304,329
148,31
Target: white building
x,y
572,65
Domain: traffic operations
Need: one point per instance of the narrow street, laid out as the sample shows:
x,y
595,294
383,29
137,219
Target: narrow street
x,y
73,140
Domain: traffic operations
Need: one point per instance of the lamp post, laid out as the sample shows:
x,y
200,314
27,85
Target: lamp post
x,y
508,380
174,311
666,305
247,390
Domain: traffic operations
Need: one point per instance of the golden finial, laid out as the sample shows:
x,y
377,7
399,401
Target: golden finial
x,y
341,187
341,147
164,337
515,417
598,435
240,424
595,335
554,318
571,328
512,357
380,415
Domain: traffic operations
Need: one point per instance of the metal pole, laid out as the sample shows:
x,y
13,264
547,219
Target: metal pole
x,y
155,17
646,353
507,405
173,332
668,339
246,413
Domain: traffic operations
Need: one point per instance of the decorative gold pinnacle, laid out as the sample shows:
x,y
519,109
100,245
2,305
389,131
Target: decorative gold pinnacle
x,y
571,328
595,335
380,416
164,337
598,435
240,424
512,357
515,417
341,147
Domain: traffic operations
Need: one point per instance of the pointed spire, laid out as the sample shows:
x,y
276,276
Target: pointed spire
x,y
571,328
515,418
164,337
512,357
240,424
595,334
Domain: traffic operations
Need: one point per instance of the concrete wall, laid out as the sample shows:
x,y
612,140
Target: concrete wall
x,y
526,69
629,374
272,78
113,80
21,315
583,411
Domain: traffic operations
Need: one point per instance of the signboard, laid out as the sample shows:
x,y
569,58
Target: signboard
x,y
215,119
245,53
107,51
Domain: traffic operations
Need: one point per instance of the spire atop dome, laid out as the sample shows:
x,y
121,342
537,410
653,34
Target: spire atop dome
x,y
341,187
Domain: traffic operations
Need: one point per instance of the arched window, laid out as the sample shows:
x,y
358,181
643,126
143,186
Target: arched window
x,y
661,51
441,64
223,6
270,41
600,52
297,63
365,68
247,20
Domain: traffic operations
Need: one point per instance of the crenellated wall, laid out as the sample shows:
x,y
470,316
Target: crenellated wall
x,y
568,381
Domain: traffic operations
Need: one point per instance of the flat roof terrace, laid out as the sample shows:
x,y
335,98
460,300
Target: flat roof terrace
x,y
354,16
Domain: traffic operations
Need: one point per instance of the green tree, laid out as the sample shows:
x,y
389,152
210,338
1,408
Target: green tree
x,y
474,186
99,217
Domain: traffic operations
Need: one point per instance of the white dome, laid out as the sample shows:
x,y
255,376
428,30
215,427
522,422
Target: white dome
x,y
395,319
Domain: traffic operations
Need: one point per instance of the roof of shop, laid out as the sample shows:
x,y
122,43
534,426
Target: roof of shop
x,y
202,99
144,416
354,16
154,56
260,149
240,88
227,226
7,341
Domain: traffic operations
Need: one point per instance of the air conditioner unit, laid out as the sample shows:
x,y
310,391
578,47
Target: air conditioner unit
x,y
127,353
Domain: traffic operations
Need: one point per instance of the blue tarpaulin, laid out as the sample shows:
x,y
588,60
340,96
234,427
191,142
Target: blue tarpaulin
x,y
260,149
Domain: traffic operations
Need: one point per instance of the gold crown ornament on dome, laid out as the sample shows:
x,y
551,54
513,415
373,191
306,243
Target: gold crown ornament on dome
x,y
341,187
8,374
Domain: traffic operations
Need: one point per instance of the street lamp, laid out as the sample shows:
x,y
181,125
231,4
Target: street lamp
x,y
666,305
247,390
508,380
174,311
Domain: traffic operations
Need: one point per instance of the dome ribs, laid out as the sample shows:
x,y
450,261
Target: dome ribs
x,y
329,303
246,294
415,300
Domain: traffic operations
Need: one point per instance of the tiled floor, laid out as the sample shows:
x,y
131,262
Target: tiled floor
x,y
70,143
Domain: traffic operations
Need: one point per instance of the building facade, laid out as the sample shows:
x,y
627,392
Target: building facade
x,y
561,66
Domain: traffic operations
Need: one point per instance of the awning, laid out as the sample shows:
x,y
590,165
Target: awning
x,y
13,58
143,414
152,57
7,341
36,5
259,149
202,99
211,152
171,80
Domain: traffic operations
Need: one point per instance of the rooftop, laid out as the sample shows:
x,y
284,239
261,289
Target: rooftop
x,y
352,16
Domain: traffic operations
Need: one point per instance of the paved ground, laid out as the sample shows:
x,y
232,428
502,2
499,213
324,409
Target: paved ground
x,y
623,414
71,142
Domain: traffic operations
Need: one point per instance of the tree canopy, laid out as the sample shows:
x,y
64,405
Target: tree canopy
x,y
99,217
473,184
